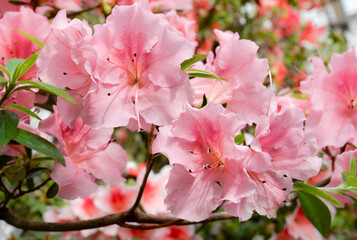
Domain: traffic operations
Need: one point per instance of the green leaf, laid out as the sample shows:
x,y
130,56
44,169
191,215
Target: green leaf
x,y
239,139
49,88
39,144
18,2
3,80
196,58
30,183
33,39
11,66
352,197
5,71
203,74
344,178
352,181
316,211
352,172
8,126
22,109
52,191
36,171
22,68
40,159
15,173
315,191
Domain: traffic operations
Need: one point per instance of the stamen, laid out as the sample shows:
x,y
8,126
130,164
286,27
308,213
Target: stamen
x,y
207,166
59,39
287,151
101,148
137,107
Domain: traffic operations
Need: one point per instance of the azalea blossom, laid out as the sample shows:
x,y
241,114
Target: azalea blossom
x,y
15,45
67,62
333,100
281,151
244,74
85,151
342,164
138,70
200,144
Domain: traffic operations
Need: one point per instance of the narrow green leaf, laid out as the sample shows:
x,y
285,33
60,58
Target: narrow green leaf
x,y
33,39
239,139
49,88
52,191
8,126
25,66
315,191
36,171
5,70
204,74
3,80
316,211
352,166
344,178
196,58
11,66
15,173
39,144
18,2
40,159
22,109
352,197
352,181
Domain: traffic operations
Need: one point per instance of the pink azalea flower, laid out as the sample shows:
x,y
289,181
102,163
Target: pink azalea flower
x,y
332,116
200,144
291,149
86,151
185,26
281,151
244,73
154,193
116,199
138,70
67,61
15,45
342,164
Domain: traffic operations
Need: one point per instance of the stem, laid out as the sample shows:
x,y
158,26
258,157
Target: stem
x,y
333,159
148,169
33,189
121,218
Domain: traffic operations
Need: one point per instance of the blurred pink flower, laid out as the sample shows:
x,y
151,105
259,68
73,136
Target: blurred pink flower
x,y
333,97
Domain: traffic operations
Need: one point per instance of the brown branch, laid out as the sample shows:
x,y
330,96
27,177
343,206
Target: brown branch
x,y
33,189
333,158
122,219
149,166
